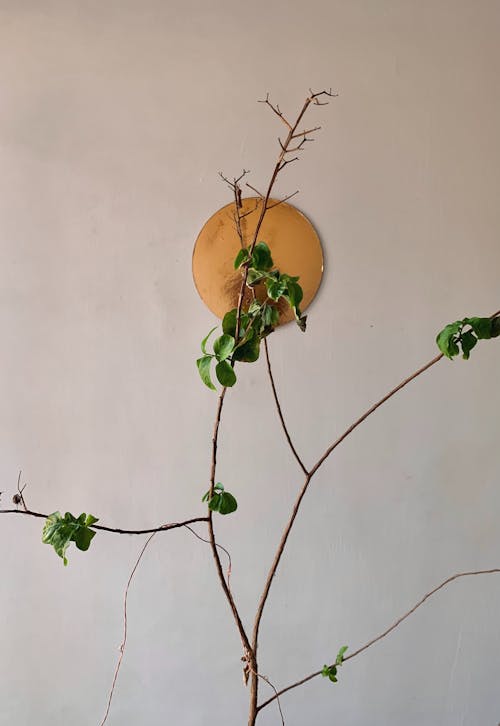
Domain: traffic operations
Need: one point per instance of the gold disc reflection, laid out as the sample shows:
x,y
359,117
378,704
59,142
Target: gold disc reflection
x,y
294,245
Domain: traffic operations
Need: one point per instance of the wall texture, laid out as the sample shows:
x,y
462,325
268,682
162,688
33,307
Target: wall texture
x,y
115,118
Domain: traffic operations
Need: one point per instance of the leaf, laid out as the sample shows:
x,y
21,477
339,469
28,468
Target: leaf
x,y
495,327
83,537
60,531
340,655
204,370
223,503
330,672
295,293
447,339
261,257
229,323
241,257
225,374
481,327
254,277
223,346
468,340
249,351
276,288
204,341
228,503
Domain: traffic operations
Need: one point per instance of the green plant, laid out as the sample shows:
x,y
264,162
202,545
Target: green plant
x,y
243,336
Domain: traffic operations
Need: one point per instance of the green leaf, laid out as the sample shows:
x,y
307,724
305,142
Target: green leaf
x,y
228,503
241,257
204,370
59,531
447,339
229,323
261,257
295,293
223,346
276,288
468,340
83,537
223,503
248,352
330,672
254,277
225,374
481,327
340,655
204,341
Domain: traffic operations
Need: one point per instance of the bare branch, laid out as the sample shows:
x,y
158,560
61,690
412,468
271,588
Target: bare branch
x,y
280,201
287,161
306,132
115,530
275,697
259,194
124,641
386,632
280,412
276,110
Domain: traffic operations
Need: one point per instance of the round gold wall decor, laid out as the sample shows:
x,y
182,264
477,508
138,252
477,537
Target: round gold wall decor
x,y
294,244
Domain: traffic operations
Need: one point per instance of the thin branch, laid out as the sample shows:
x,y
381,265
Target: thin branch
x,y
259,194
385,632
124,642
275,697
285,162
220,547
307,131
280,412
373,408
281,201
276,110
225,587
115,530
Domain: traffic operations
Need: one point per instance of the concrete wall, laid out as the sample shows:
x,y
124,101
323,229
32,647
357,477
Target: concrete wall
x,y
115,119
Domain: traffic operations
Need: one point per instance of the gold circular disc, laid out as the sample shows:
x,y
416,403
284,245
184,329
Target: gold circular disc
x,y
293,241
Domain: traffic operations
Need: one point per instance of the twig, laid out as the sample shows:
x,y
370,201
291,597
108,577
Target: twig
x,y
385,632
275,697
280,412
115,530
220,547
259,194
124,642
281,201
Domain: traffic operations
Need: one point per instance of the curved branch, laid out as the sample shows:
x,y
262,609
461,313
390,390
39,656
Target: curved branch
x,y
385,633
115,530
280,413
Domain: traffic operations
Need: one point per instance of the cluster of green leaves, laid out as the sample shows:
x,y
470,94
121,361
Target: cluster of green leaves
x,y
330,671
278,285
59,531
465,333
256,323
220,501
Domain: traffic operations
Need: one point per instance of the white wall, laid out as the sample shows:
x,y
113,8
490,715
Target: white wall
x,y
115,119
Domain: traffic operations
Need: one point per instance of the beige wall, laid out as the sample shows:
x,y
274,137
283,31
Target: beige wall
x,y
115,118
